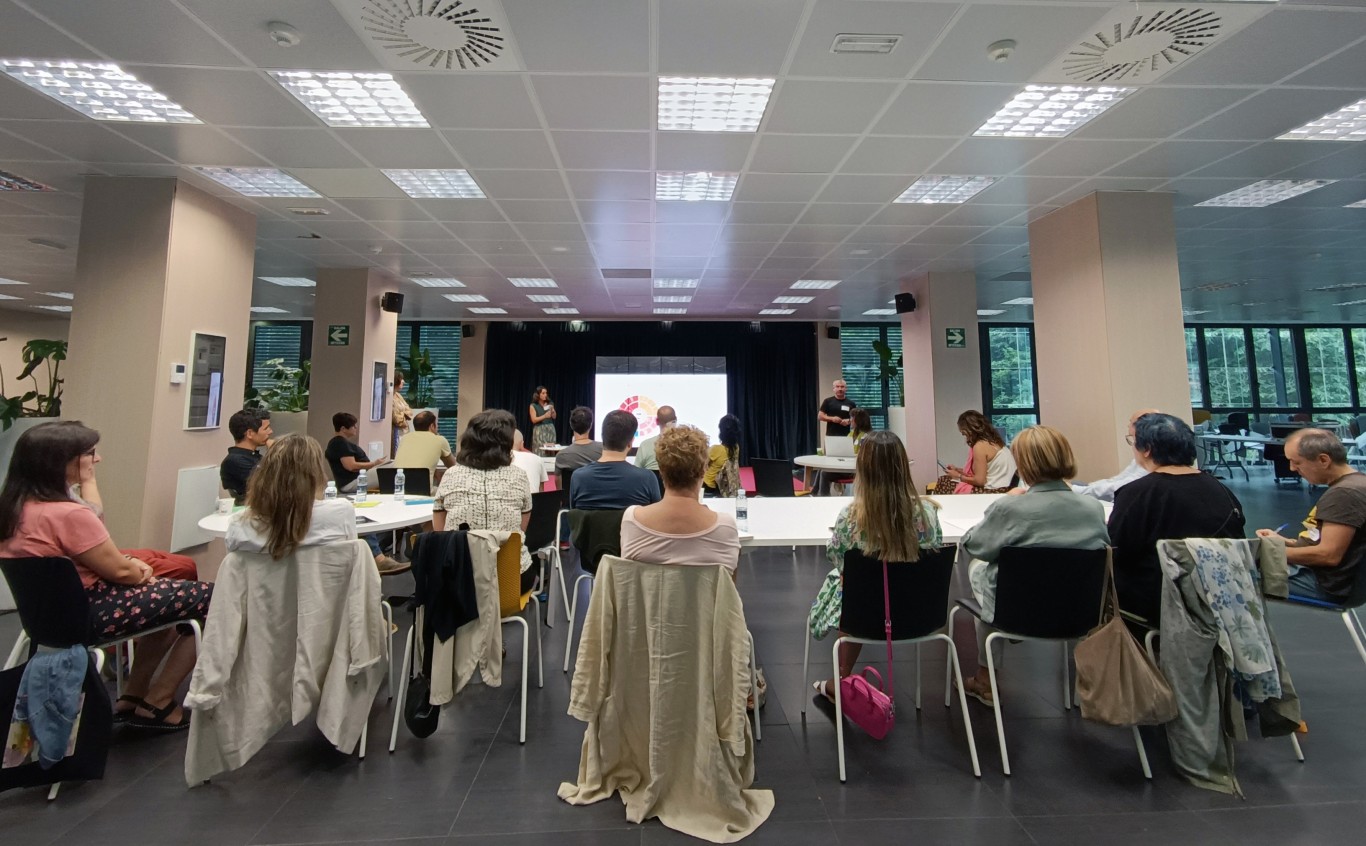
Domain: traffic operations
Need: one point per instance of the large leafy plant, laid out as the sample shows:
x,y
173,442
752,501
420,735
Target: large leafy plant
x,y
889,368
38,353
421,375
288,393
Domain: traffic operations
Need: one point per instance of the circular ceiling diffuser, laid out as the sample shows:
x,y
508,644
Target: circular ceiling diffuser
x,y
446,34
1145,46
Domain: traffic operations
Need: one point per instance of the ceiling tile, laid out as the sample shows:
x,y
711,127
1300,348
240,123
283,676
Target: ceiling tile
x,y
607,212
565,232
1040,32
836,107
1080,157
688,212
847,213
191,144
799,153
1347,67
766,212
296,147
724,38
521,184
863,189
484,230
715,151
775,187
1348,163
896,155
618,231
124,37
1161,112
412,231
605,35
328,43
539,211
603,150
384,209
1271,158
908,214
447,99
482,149
611,185
399,148
1276,45
345,182
23,34
595,102
461,210
86,141
1174,158
917,24
14,149
1023,190
1270,113
991,156
769,233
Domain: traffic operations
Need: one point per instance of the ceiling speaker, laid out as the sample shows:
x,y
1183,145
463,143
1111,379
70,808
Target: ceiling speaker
x,y
905,303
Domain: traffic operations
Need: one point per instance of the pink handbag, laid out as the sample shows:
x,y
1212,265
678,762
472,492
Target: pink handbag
x,y
864,702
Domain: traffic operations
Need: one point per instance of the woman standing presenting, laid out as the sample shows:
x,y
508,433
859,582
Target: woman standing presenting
x,y
402,413
542,412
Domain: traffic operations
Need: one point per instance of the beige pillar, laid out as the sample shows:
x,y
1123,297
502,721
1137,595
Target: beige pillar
x,y
829,367
341,379
1107,321
159,260
942,381
472,352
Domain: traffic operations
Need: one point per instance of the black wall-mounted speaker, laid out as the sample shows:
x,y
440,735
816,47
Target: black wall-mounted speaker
x,y
392,301
905,303
832,332
466,330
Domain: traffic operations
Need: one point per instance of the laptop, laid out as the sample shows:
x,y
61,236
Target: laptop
x,y
839,447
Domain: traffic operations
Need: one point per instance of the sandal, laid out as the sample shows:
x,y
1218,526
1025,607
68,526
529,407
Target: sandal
x,y
158,722
823,688
126,715
981,693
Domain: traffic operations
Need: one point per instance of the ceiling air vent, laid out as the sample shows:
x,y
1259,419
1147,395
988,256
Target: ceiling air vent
x,y
1139,44
852,43
438,34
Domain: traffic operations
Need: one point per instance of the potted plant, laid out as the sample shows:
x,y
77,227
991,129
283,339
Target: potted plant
x,y
286,399
35,403
889,368
421,379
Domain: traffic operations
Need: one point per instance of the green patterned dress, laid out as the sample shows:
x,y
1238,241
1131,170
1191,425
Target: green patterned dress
x,y
825,611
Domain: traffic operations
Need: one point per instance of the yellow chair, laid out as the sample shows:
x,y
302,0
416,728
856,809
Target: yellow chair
x,y
511,603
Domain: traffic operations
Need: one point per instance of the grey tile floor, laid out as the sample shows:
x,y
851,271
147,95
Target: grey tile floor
x,y
472,784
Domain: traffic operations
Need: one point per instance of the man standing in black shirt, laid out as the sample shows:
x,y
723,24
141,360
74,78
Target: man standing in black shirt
x,y
835,411
250,430
344,455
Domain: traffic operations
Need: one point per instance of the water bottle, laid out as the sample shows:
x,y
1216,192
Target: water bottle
x,y
360,488
330,492
398,485
741,511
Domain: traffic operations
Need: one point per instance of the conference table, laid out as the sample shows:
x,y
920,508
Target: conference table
x,y
807,520
385,515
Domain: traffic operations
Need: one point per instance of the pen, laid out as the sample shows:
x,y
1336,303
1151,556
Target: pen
x,y
1282,528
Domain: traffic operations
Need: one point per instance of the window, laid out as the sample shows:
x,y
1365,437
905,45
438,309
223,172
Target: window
x,y
1193,373
1009,388
270,341
1273,352
862,368
442,342
1326,355
1358,350
1226,368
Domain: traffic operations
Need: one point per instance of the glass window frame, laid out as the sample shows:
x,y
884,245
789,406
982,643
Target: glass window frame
x,y
984,344
447,417
878,414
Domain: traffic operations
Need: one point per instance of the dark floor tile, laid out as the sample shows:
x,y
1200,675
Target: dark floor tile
x,y
611,837
494,811
1321,825
1168,828
940,832
771,833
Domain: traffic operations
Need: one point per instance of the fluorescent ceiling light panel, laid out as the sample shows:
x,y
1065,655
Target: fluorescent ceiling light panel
x,y
560,310
547,298
289,281
673,298
792,300
443,184
1346,124
466,298
1359,204
815,284
1265,193
1051,111
712,104
879,312
437,282
488,310
1348,303
14,182
4,281
267,310
671,310
11,297
54,308
523,282
258,181
101,90
990,312
777,311
944,189
676,283
696,186
345,98
1019,301
1192,312
61,295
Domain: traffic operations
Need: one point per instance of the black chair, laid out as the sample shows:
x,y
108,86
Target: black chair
x,y
659,477
543,541
1347,610
595,534
919,594
1044,593
772,477
417,481
562,481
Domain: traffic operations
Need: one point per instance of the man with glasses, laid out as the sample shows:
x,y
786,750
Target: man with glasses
x,y
1104,489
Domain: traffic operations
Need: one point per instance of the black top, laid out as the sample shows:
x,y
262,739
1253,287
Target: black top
x,y
235,469
337,449
832,407
1344,502
1162,506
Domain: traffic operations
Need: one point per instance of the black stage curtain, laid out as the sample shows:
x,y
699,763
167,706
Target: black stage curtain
x,y
772,376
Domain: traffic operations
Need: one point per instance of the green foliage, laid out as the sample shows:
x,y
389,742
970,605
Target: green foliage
x,y
290,391
421,377
889,368
1012,367
38,353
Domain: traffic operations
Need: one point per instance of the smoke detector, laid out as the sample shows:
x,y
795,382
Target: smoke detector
x,y
283,34
1000,51
435,34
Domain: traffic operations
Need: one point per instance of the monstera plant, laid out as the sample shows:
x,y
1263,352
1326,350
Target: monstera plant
x,y
40,357
889,368
288,393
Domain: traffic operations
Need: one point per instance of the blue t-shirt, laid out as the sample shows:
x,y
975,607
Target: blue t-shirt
x,y
611,485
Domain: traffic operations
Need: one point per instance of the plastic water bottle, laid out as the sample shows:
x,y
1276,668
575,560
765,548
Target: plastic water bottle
x,y
741,511
398,485
360,488
330,492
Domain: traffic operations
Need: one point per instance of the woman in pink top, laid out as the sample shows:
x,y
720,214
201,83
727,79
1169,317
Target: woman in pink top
x,y
679,529
38,519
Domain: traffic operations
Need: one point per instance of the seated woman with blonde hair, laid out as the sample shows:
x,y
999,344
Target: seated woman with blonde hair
x,y
285,506
679,529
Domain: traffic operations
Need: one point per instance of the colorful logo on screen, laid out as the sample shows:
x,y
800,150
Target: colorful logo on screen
x,y
645,410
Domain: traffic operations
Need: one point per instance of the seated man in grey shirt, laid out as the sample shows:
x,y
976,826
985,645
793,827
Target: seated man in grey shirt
x,y
645,455
584,450
1104,489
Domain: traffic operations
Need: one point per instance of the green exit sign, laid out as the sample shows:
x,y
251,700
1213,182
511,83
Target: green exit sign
x,y
956,339
338,334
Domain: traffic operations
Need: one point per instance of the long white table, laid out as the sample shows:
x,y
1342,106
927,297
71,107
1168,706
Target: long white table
x,y
807,520
385,516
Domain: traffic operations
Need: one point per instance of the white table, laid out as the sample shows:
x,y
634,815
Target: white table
x,y
807,521
834,463
386,517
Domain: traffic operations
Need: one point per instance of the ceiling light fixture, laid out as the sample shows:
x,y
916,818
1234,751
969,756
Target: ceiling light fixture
x,y
777,311
673,298
847,42
101,90
944,189
1019,301
258,181
307,211
815,284
48,243
61,295
695,186
437,282
444,184
1351,303
289,281
671,310
712,104
14,182
1051,111
4,281
1346,124
346,98
879,312
1359,204
676,283
10,297
990,312
792,300
560,310
547,298
267,310
1265,193
54,308
524,282
488,310
1193,312
466,298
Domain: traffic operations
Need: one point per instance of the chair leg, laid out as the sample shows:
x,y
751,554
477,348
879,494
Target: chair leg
x,y
1295,744
953,651
573,616
16,654
118,665
957,672
540,654
52,792
806,658
402,688
1066,679
917,677
388,611
1142,754
364,736
1149,644
1349,617
564,591
526,643
996,702
839,706
754,689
